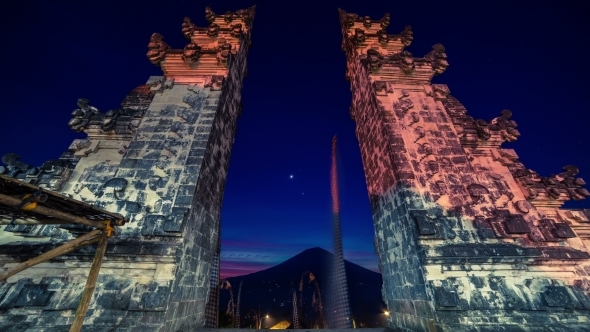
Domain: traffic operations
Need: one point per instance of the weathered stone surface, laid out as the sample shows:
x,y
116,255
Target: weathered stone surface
x,y
161,160
468,238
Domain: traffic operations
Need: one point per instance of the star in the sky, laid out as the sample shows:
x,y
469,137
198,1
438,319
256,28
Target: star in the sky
x,y
291,176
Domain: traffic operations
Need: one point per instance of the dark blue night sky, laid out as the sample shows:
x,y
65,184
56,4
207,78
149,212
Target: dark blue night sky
x,y
520,55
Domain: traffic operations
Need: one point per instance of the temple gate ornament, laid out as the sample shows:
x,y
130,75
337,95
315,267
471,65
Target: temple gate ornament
x,y
462,228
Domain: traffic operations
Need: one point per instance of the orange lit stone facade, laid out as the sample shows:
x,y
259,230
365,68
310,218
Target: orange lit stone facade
x,y
469,239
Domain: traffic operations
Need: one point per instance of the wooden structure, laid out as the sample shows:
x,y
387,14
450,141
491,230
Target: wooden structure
x,y
26,204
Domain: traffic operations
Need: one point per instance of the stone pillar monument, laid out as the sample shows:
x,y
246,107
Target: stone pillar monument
x,y
469,239
161,160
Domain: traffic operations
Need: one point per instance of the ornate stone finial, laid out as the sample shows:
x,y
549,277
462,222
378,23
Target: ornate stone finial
x,y
359,36
506,126
406,61
438,58
236,30
245,14
407,36
223,51
81,116
13,160
384,21
571,170
209,15
191,52
382,36
83,103
367,22
187,27
228,17
374,59
157,48
213,30
349,19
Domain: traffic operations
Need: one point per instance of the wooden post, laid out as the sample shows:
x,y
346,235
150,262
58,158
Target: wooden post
x,y
15,202
90,284
80,242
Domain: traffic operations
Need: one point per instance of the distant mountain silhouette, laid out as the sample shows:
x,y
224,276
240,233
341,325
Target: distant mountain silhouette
x,y
271,289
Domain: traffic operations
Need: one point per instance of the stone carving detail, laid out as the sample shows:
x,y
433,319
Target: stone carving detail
x,y
122,121
79,144
191,52
228,17
438,59
424,149
359,36
223,51
382,88
161,84
432,167
12,160
477,191
118,185
440,91
406,62
436,158
407,36
384,21
516,225
349,19
382,36
432,226
562,186
209,15
187,28
523,206
236,30
83,115
555,232
446,298
367,22
420,133
52,174
477,132
213,30
375,59
415,118
244,14
215,83
505,126
403,105
157,48
201,136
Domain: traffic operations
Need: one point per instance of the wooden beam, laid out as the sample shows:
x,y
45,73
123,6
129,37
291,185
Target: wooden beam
x,y
61,250
90,284
15,202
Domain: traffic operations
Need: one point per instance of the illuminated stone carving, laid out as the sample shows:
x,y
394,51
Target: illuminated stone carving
x,y
468,237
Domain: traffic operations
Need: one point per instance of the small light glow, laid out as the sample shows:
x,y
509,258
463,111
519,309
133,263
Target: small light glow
x,y
386,313
291,176
266,316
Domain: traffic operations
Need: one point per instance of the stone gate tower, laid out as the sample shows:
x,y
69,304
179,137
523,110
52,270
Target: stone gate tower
x,y
161,161
469,239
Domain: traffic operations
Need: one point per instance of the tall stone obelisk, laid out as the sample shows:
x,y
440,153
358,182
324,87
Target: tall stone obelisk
x,y
338,309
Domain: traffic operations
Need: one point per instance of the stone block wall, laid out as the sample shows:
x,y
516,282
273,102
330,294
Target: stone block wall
x,y
162,164
468,239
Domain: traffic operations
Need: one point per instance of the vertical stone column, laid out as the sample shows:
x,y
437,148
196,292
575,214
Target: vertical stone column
x,y
467,237
338,313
